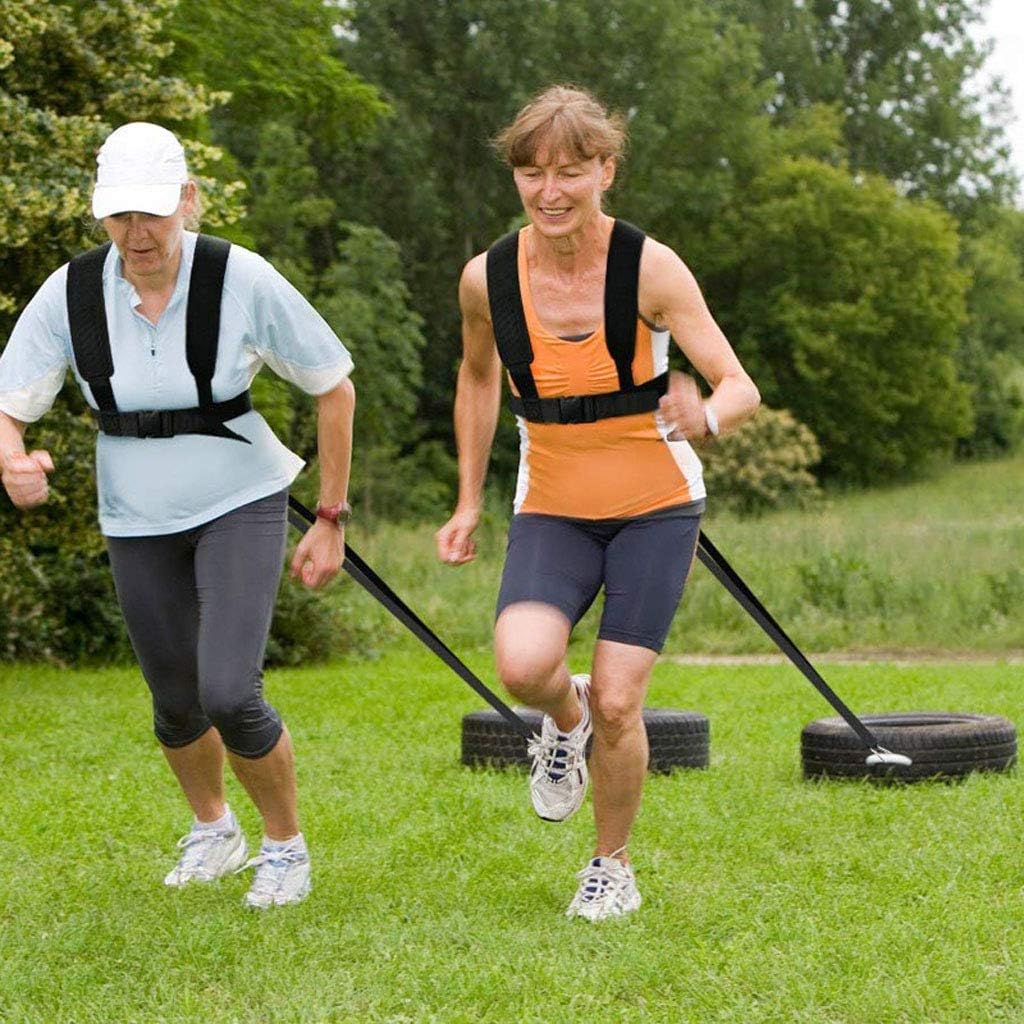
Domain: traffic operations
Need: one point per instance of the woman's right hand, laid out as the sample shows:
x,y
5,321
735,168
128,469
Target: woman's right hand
x,y
455,539
24,478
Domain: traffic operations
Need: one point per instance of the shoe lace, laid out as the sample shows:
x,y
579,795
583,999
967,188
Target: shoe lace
x,y
602,878
272,866
557,757
195,844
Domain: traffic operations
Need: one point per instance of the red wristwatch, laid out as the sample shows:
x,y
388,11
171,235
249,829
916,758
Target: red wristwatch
x,y
338,514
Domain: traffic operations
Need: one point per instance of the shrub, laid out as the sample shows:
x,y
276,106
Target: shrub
x,y
763,465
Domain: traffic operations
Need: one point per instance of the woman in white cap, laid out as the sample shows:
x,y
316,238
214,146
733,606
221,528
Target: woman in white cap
x,y
164,330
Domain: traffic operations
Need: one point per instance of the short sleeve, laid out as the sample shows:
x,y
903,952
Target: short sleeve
x,y
291,337
35,360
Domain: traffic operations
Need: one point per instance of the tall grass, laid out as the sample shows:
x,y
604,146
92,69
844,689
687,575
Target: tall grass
x,y
931,566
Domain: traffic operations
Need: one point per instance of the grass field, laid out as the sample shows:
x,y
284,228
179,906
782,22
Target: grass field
x,y
438,897
931,566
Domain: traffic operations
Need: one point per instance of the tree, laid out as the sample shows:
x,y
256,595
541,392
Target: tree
x,y
990,356
849,302
904,75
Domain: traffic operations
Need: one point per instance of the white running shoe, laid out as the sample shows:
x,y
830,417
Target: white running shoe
x,y
607,889
208,854
282,877
558,777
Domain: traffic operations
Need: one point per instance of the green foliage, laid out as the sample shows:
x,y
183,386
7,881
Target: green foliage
x,y
364,298
905,74
57,599
990,356
996,380
279,67
68,73
306,627
847,304
765,464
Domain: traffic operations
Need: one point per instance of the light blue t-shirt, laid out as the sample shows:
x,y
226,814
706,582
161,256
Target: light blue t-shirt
x,y
151,486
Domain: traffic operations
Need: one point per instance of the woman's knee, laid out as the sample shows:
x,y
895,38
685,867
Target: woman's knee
x,y
615,713
530,641
248,725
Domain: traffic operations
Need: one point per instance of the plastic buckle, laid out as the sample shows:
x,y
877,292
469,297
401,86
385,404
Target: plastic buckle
x,y
570,410
150,424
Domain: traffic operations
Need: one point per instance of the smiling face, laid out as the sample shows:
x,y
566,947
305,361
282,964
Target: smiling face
x,y
561,194
150,246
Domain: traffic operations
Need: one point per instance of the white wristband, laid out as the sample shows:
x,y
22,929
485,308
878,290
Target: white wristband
x,y
710,419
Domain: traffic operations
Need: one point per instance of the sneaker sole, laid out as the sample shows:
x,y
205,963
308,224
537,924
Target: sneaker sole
x,y
298,898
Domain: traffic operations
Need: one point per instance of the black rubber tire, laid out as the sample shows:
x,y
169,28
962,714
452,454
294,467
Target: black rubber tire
x,y
942,745
678,739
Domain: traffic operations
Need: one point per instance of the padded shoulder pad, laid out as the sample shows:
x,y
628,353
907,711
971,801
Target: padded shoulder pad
x,y
621,304
507,316
87,315
202,318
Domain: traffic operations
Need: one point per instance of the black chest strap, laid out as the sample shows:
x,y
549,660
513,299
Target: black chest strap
x,y
90,340
621,312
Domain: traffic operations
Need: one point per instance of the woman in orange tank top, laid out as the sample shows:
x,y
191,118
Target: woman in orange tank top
x,y
608,498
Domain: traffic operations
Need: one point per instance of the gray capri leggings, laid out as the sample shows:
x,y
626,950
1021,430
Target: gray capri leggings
x,y
198,606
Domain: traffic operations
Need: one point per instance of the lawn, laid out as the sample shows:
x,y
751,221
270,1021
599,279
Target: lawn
x,y
439,897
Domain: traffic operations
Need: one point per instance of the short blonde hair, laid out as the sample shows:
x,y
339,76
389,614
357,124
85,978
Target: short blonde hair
x,y
562,119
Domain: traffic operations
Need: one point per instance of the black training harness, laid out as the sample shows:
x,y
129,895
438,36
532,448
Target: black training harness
x,y
90,340
621,312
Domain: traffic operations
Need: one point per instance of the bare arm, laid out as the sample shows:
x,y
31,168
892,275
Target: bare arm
x,y
477,402
669,296
321,551
24,475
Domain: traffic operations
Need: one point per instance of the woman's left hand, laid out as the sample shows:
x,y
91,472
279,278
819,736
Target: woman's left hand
x,y
319,554
682,408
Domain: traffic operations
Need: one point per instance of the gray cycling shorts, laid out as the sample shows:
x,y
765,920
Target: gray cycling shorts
x,y
198,606
641,563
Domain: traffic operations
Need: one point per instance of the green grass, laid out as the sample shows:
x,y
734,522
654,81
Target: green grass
x,y
439,897
931,566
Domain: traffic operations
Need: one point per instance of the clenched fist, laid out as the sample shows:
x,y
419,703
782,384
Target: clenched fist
x,y
24,478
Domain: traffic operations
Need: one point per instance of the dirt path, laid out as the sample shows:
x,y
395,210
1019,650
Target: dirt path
x,y
892,657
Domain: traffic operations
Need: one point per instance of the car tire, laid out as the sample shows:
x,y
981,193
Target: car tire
x,y
941,744
678,739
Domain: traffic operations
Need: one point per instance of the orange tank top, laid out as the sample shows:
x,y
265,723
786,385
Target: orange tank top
x,y
616,468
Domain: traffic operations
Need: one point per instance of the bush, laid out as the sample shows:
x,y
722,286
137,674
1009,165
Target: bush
x,y
763,465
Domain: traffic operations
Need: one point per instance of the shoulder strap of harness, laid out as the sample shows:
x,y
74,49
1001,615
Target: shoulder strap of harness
x,y
88,319
507,316
621,303
202,318
90,340
621,312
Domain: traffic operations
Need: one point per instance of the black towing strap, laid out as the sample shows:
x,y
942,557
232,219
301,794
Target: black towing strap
x,y
715,561
301,518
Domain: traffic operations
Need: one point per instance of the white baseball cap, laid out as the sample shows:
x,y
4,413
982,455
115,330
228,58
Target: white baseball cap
x,y
141,167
